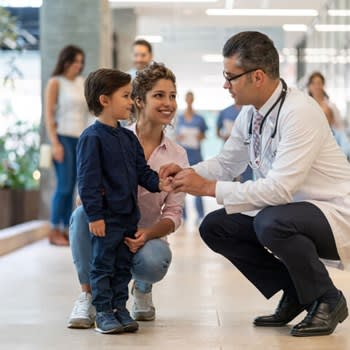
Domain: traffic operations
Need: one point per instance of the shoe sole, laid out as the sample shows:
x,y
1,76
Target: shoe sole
x,y
111,331
80,325
144,318
131,328
342,317
270,324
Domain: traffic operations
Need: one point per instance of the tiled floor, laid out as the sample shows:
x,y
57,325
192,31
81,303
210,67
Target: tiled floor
x,y
203,303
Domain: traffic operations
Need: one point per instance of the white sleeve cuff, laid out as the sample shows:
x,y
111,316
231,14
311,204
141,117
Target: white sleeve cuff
x,y
222,189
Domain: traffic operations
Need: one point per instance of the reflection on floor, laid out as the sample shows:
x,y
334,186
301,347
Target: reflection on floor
x,y
203,303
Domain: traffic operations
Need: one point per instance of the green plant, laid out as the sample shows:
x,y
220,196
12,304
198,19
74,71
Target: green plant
x,y
8,29
19,157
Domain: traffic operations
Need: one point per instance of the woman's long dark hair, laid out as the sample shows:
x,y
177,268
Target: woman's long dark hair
x,y
312,77
66,58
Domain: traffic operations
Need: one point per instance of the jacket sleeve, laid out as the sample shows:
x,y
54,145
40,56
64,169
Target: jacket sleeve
x,y
232,160
89,176
147,177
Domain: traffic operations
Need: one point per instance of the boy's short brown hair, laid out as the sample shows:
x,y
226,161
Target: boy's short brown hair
x,y
103,82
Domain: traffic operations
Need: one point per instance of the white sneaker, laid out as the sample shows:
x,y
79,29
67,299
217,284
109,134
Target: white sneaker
x,y
143,308
83,313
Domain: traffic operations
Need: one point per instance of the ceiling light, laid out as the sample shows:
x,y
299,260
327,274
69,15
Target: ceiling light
x,y
341,13
332,27
295,27
153,39
161,1
263,12
212,58
20,3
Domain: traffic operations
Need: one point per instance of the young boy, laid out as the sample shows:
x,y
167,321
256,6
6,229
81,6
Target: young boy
x,y
111,164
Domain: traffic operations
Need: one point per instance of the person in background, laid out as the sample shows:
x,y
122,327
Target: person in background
x,y
224,125
142,56
66,116
316,85
190,133
154,92
226,120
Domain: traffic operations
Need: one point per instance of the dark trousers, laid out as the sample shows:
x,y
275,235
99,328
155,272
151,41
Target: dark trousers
x,y
296,235
111,263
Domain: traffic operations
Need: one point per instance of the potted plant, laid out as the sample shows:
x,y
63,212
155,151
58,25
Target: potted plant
x,y
19,174
19,144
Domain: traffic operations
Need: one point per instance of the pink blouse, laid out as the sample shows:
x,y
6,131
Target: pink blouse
x,y
163,205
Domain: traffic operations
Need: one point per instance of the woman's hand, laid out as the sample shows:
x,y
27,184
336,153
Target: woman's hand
x,y
98,228
139,241
58,152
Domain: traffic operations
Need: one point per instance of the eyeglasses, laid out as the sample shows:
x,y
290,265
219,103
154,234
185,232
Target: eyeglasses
x,y
229,78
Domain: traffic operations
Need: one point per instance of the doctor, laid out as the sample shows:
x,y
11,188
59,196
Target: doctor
x,y
275,229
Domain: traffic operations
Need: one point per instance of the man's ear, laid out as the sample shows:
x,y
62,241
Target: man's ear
x,y
104,100
259,77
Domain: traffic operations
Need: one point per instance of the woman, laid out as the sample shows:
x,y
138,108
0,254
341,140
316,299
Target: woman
x,y
154,93
66,117
190,130
316,84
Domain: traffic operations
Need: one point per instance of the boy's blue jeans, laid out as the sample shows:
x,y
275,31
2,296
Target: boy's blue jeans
x,y
149,265
111,263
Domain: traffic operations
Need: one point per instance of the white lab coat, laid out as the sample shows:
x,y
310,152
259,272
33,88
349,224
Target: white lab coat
x,y
302,163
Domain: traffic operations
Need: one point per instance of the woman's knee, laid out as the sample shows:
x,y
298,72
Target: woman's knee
x,y
152,261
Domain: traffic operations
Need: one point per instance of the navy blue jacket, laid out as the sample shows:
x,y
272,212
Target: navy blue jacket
x,y
111,164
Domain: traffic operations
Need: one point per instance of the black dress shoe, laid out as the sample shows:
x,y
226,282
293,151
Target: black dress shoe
x,y
320,320
286,311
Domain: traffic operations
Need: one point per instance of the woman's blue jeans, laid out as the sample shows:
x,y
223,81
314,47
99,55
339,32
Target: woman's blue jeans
x,y
66,175
149,265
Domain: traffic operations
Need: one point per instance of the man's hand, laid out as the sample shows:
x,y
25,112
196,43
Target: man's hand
x,y
138,242
189,181
98,228
168,170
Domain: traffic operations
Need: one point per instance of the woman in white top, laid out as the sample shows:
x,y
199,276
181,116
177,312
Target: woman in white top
x,y
316,84
66,117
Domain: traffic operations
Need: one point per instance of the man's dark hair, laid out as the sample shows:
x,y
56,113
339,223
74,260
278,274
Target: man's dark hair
x,y
145,43
103,82
253,50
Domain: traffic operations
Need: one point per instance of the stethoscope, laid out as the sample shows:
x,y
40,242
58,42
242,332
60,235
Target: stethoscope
x,y
281,98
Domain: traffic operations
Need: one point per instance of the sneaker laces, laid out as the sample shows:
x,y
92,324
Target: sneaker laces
x,y
81,306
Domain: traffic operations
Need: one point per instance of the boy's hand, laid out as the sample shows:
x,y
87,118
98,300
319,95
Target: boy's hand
x,y
98,228
166,184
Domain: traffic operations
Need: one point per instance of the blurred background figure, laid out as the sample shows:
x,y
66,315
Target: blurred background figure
x,y
66,117
316,89
226,120
142,56
224,124
190,132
